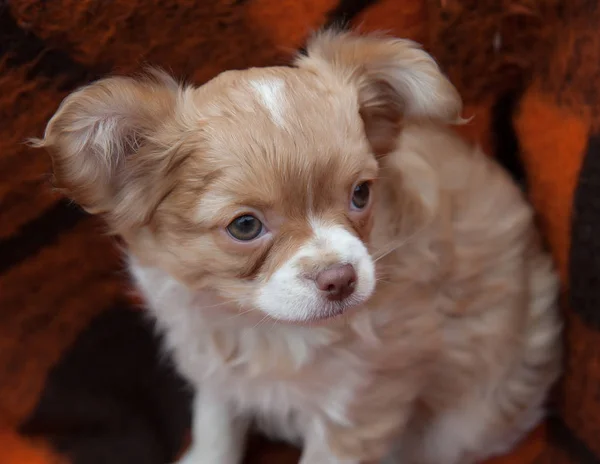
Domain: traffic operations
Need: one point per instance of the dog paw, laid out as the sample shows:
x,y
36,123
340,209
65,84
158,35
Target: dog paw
x,y
192,456
199,455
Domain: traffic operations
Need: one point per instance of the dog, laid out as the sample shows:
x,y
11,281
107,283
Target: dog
x,y
326,258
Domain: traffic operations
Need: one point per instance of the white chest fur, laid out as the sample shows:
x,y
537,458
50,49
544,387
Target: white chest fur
x,y
283,374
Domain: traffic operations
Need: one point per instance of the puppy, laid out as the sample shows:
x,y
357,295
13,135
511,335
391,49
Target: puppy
x,y
325,257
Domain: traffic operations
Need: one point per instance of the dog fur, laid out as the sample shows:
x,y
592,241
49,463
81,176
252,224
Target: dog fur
x,y
447,346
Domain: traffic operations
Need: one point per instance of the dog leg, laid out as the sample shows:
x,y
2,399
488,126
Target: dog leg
x,y
323,457
218,435
317,451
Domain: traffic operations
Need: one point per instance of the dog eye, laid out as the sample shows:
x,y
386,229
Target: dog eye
x,y
360,195
245,228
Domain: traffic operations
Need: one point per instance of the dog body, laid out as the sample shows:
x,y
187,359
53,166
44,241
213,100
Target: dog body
x,y
323,255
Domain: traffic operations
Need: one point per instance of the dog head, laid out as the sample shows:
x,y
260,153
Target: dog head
x,y
259,185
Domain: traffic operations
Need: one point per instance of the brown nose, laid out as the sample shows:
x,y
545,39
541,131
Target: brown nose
x,y
338,282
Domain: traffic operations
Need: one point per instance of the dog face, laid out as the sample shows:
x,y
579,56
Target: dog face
x,y
271,207
260,185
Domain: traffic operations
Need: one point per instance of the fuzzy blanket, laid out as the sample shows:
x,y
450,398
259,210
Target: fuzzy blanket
x,y
82,379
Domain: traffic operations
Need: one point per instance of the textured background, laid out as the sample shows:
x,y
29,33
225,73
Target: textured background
x,y
81,379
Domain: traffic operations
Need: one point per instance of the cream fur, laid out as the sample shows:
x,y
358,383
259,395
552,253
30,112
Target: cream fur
x,y
446,350
464,320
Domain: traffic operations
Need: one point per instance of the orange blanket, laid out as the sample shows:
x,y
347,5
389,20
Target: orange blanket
x,y
81,378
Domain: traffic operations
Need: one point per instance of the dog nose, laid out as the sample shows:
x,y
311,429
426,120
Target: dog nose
x,y
338,282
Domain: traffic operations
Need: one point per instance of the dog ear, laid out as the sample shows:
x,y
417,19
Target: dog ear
x,y
395,79
101,144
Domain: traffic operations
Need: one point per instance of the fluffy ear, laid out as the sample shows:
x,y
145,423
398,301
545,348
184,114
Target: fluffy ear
x,y
395,79
100,141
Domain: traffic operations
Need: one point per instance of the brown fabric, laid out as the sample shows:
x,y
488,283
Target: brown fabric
x,y
81,376
557,126
20,450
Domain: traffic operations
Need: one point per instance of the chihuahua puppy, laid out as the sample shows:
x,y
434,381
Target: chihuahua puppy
x,y
325,257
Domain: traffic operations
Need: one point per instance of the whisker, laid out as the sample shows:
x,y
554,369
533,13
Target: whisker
x,y
404,242
261,321
220,304
238,314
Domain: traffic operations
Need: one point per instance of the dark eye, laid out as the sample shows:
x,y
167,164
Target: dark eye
x,y
245,228
360,195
